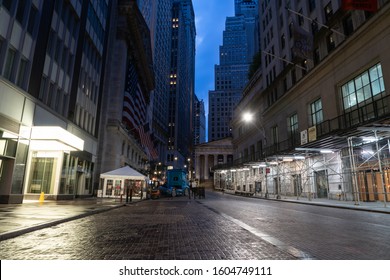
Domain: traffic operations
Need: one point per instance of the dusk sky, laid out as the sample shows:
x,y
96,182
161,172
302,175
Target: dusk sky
x,y
210,16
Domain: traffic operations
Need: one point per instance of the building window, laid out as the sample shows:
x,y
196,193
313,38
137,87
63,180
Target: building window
x,y
316,112
300,18
328,11
32,20
7,4
274,135
363,87
330,42
22,73
293,127
293,123
348,25
312,5
9,64
20,11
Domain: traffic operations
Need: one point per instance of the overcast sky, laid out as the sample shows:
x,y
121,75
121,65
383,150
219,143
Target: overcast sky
x,y
210,16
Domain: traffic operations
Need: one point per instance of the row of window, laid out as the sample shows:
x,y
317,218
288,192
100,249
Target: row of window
x,y
133,156
357,92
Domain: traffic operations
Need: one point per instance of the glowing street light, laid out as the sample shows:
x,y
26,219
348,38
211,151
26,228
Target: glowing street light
x,y
247,117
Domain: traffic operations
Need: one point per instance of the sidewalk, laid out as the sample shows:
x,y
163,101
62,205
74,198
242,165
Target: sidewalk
x,y
376,206
16,219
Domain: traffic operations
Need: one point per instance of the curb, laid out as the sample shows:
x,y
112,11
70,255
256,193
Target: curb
x,y
349,207
18,232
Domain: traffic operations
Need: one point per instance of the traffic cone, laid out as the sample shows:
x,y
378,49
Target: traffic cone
x,y
42,197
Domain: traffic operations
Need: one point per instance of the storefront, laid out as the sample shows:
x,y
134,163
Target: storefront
x,y
51,167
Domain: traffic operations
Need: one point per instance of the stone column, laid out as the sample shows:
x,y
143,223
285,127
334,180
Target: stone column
x,y
206,166
197,166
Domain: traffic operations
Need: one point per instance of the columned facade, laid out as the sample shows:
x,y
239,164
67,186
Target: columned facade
x,y
210,155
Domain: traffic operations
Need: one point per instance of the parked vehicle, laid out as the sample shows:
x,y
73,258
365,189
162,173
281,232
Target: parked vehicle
x,y
177,183
155,193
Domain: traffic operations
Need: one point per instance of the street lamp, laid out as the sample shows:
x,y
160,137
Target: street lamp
x,y
248,117
189,168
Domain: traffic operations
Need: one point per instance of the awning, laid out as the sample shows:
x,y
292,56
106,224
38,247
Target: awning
x,y
54,138
125,172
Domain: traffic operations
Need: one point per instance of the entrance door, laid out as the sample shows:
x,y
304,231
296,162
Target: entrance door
x,y
42,175
322,184
297,183
367,185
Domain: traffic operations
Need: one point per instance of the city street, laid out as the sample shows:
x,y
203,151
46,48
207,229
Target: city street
x,y
219,227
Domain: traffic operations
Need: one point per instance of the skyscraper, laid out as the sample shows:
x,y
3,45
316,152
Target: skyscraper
x,y
199,121
240,44
182,77
158,16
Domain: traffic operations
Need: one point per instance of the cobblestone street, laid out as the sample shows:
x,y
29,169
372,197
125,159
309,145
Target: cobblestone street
x,y
176,228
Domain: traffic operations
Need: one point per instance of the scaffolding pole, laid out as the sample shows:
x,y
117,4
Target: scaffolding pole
x,y
380,168
353,171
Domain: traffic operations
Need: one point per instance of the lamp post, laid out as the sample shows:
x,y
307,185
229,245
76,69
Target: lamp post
x,y
175,163
248,117
189,169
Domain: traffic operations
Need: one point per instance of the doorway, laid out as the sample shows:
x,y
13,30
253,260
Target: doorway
x,y
321,179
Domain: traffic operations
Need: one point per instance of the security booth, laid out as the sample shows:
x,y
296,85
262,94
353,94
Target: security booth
x,y
124,181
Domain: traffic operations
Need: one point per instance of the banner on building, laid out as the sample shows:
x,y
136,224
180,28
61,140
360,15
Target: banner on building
x,y
366,5
304,137
303,43
312,132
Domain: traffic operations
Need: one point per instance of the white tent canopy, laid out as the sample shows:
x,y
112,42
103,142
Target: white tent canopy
x,y
116,182
125,172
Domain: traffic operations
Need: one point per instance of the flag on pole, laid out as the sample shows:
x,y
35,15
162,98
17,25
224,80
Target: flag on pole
x,y
366,5
303,43
146,142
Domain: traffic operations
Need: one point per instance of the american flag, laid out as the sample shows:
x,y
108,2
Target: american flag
x,y
146,141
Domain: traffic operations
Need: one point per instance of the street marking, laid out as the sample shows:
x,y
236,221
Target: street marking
x,y
272,240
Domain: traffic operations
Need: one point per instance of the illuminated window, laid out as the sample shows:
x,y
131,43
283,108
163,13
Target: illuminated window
x,y
363,87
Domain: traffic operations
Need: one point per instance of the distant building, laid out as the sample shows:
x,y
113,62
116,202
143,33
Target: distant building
x,y
199,121
182,79
240,44
158,15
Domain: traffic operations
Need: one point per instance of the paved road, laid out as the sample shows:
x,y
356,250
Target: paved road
x,y
218,227
176,228
317,232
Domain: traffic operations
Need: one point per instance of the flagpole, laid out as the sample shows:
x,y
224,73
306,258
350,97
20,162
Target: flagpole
x,y
285,60
319,23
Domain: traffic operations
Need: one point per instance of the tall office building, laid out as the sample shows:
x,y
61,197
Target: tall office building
x,y
51,59
182,77
158,15
199,121
240,44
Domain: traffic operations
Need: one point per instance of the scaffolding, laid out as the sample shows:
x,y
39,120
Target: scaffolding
x,y
358,171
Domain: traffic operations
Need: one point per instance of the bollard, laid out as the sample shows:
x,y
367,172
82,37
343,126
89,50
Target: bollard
x,y
42,197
